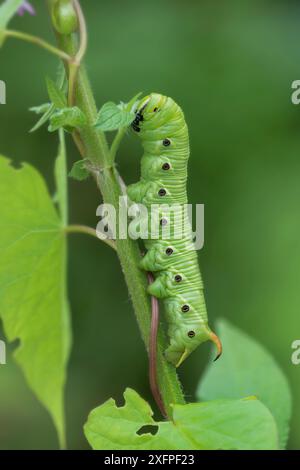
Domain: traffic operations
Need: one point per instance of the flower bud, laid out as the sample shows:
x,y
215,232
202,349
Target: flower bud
x,y
64,17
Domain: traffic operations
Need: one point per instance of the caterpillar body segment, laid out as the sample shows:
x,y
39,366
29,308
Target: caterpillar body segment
x,y
161,126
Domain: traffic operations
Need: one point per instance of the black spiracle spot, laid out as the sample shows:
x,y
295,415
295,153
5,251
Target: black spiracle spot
x,y
163,222
169,251
166,142
166,166
178,278
162,192
185,308
191,334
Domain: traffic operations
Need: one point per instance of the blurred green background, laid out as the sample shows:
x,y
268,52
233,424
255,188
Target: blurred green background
x,y
230,66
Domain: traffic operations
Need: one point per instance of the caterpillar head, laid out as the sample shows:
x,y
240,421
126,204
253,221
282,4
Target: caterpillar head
x,y
147,109
185,341
151,104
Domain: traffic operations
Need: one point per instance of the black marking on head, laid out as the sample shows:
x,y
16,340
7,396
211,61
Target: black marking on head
x,y
138,118
135,123
191,334
135,127
185,308
166,166
166,142
169,251
155,109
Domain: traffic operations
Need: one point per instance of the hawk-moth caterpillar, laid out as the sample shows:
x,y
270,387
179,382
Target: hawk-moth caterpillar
x,y
161,125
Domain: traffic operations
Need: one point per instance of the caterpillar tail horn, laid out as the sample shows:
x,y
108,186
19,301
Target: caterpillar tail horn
x,y
215,339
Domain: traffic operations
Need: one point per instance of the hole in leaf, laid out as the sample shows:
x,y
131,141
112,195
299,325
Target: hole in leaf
x,y
148,429
17,165
120,402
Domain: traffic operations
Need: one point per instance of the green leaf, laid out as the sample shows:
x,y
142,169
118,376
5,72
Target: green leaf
x,y
128,109
246,368
41,109
33,299
221,424
60,85
46,116
130,105
68,118
60,172
79,170
112,117
7,11
56,95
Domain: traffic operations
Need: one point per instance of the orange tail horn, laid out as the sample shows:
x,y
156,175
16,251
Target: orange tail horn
x,y
215,339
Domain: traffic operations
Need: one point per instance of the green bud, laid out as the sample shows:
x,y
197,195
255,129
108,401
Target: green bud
x,y
64,17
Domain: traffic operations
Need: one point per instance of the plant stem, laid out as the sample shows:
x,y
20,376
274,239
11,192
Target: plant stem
x,y
74,66
153,352
116,143
89,231
39,42
97,151
83,33
73,70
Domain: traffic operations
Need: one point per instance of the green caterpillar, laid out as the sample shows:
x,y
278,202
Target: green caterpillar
x,y
161,126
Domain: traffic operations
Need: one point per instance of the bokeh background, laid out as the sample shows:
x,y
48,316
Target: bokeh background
x,y
230,65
